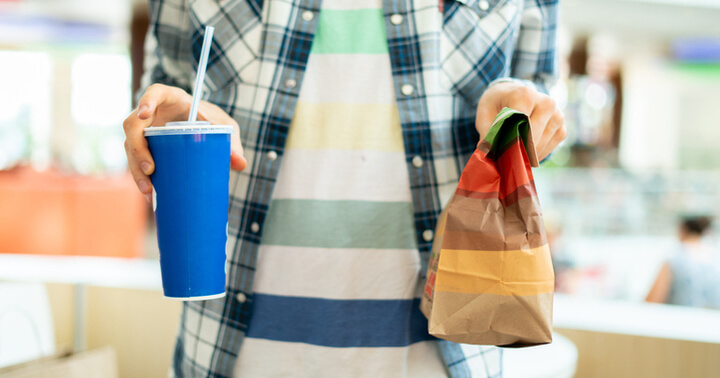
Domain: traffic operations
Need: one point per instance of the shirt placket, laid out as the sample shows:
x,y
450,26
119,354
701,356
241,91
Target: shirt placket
x,y
407,68
288,53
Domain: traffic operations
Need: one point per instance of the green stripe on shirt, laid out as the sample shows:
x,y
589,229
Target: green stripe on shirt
x,y
339,224
359,31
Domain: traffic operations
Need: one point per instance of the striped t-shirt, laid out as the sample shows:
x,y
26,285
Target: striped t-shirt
x,y
337,283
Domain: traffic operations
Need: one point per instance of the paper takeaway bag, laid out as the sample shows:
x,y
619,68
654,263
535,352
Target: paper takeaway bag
x,y
490,278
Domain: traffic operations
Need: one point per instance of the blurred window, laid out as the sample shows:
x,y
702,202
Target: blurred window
x,y
25,108
100,101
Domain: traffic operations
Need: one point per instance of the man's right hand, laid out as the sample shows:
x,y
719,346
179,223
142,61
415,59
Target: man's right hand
x,y
159,105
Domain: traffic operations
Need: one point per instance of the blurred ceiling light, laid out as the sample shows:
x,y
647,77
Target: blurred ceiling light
x,y
596,96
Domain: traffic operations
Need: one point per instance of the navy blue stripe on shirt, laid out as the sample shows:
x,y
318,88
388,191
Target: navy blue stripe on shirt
x,y
338,323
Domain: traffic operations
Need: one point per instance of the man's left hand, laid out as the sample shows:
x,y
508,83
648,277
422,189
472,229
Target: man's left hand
x,y
546,120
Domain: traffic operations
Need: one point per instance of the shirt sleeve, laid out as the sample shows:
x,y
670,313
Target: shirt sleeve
x,y
535,56
167,45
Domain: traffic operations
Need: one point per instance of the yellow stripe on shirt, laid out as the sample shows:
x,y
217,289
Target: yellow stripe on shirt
x,y
345,127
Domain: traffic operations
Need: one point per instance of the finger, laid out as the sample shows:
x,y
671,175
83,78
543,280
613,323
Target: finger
x,y
237,158
509,94
555,141
553,124
543,111
155,96
522,99
554,134
237,161
141,180
140,161
483,120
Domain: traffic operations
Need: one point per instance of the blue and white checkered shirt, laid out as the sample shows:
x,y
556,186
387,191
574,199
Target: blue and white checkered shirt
x,y
441,65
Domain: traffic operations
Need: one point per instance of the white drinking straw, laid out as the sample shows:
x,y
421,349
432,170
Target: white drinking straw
x,y
200,78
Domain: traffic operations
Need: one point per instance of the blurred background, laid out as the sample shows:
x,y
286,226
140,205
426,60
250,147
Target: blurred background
x,y
640,88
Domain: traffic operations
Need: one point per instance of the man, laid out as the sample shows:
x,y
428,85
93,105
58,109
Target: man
x,y
356,119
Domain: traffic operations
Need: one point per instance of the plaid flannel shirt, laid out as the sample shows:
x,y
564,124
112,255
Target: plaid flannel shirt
x,y
443,57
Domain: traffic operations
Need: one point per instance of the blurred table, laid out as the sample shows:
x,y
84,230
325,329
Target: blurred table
x,y
82,271
94,271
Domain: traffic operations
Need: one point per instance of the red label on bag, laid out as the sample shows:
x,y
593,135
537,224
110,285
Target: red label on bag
x,y
430,284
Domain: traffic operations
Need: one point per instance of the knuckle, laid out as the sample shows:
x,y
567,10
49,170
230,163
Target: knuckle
x,y
516,94
524,91
522,97
562,132
179,91
127,124
520,102
548,102
152,91
178,94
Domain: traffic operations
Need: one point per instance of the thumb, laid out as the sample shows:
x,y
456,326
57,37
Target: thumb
x,y
484,119
156,96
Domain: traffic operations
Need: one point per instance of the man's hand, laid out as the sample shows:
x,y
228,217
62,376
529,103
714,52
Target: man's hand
x,y
161,104
546,120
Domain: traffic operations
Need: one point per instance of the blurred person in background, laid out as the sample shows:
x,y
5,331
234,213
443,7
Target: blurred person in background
x,y
691,276
356,117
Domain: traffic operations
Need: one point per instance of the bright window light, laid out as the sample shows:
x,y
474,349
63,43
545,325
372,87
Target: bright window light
x,y
25,108
100,89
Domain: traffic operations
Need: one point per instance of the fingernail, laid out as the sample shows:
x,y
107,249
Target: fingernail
x,y
145,167
143,186
148,198
142,109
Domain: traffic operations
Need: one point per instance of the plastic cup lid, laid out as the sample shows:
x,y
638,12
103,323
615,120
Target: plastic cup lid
x,y
187,127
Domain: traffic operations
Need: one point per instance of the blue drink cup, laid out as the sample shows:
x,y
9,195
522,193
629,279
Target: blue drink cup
x,y
190,201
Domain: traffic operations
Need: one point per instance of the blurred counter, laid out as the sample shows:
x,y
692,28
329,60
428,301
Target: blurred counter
x,y
52,213
570,312
634,339
637,319
119,302
111,272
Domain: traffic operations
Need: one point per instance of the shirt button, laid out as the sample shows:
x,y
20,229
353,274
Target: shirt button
x,y
308,15
272,155
417,161
483,5
290,83
241,297
407,89
428,235
396,19
254,227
